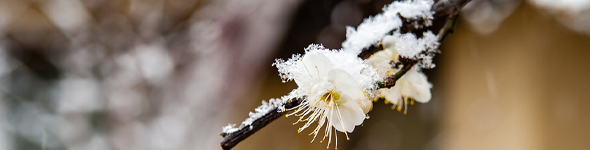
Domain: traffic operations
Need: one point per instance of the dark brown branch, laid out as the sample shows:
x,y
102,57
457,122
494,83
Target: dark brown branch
x,y
443,10
446,10
390,81
232,139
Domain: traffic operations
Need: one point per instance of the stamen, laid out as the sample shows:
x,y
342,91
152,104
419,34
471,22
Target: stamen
x,y
406,105
336,139
399,106
317,129
341,122
330,130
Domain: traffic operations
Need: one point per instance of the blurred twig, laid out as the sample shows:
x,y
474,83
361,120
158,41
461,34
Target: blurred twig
x,y
446,10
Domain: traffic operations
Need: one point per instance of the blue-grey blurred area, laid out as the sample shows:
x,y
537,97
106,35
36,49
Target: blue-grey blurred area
x,y
168,74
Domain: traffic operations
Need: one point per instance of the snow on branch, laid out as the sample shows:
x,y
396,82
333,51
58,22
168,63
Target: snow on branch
x,y
373,29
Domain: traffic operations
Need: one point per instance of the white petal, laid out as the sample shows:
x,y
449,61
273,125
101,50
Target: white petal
x,y
350,116
418,86
392,94
365,104
317,64
381,61
345,83
389,42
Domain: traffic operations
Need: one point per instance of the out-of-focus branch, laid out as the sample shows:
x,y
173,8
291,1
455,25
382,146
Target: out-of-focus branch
x,y
444,10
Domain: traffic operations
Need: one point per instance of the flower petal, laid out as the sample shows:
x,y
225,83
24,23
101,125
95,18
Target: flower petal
x,y
317,64
345,83
381,62
389,42
418,86
350,116
365,104
392,94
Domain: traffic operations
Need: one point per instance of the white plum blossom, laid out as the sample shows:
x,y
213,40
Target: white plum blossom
x,y
382,60
413,84
334,83
335,87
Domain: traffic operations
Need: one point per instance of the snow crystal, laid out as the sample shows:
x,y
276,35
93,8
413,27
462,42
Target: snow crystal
x,y
266,107
230,128
409,45
373,29
263,109
422,49
346,61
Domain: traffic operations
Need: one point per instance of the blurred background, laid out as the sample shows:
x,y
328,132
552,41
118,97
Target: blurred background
x,y
166,75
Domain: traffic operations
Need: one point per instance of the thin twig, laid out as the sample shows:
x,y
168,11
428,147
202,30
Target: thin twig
x,y
232,139
444,9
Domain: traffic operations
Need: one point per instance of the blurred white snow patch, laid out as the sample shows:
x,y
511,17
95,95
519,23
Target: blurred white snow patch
x,y
74,128
129,135
32,123
485,16
96,142
127,71
574,14
5,139
170,131
68,15
79,95
154,62
125,104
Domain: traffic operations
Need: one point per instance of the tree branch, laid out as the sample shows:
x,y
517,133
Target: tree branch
x,y
232,139
446,10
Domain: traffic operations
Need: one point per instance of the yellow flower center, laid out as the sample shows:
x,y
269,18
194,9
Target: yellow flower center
x,y
331,95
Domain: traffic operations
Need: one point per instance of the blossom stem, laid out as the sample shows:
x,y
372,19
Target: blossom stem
x,y
390,81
